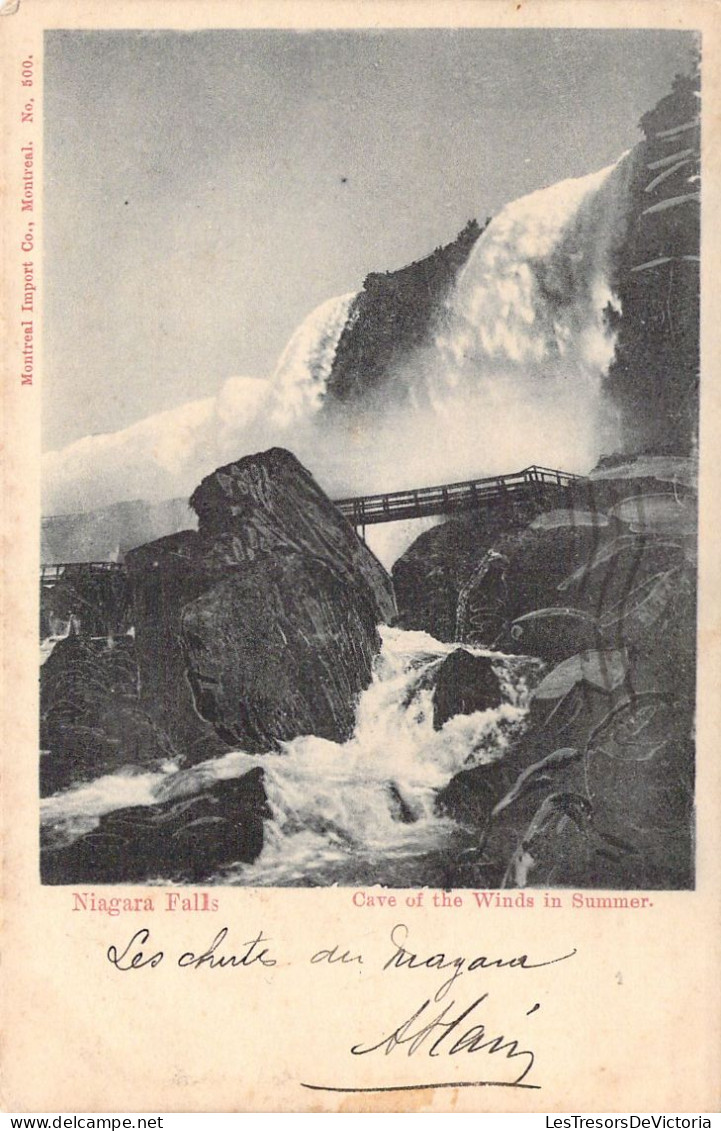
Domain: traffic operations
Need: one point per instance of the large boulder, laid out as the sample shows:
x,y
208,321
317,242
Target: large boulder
x,y
281,648
269,504
92,721
182,839
465,684
430,577
262,626
519,577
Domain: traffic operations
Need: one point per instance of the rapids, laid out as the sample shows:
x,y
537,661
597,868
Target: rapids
x,y
358,812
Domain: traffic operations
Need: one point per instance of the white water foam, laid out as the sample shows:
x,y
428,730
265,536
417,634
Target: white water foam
x,y
338,808
299,383
77,810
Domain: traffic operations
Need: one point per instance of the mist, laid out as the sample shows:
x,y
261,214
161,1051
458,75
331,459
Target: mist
x,y
512,376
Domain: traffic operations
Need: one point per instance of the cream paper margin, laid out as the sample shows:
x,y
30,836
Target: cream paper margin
x,y
632,1023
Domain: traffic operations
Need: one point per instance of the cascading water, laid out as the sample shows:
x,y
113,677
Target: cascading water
x,y
358,812
59,630
301,375
523,340
533,292
513,377
514,374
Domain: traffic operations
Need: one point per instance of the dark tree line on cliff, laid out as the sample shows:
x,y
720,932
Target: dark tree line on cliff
x,y
395,312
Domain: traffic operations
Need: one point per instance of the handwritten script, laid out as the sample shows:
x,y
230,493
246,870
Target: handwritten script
x,y
440,1025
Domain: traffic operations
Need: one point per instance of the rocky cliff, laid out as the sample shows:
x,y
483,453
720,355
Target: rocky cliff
x,y
394,313
654,377
599,788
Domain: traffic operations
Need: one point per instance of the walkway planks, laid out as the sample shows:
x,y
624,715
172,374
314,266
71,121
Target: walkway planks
x,y
453,497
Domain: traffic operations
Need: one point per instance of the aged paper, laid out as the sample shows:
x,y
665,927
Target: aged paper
x,y
270,858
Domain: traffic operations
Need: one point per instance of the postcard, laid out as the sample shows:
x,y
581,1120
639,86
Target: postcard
x,y
361,598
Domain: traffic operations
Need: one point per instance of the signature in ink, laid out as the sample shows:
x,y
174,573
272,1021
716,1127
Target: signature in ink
x,y
446,1034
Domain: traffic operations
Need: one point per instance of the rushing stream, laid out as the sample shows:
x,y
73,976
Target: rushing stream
x,y
358,812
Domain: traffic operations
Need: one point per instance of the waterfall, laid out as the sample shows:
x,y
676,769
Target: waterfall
x,y
533,293
513,374
299,382
510,374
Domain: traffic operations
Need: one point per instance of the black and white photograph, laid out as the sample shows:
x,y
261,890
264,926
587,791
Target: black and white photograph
x,y
370,429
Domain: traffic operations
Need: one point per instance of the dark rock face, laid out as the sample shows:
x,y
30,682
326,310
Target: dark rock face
x,y
654,377
598,789
539,560
281,649
269,504
262,626
401,809
395,313
180,840
470,578
470,796
465,684
552,634
165,576
92,721
430,576
98,602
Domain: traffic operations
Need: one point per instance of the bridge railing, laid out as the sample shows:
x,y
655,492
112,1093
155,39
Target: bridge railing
x,y
51,573
538,474
369,509
392,506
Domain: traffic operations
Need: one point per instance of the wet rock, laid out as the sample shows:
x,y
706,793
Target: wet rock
x,y
430,576
399,806
269,503
552,634
469,578
471,795
91,719
282,648
179,840
539,560
393,313
481,611
640,780
465,684
97,600
165,576
262,626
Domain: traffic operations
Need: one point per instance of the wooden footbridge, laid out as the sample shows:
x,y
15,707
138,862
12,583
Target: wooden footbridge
x,y
539,483
50,575
474,494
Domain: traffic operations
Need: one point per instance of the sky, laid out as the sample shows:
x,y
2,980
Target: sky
x,y
205,191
